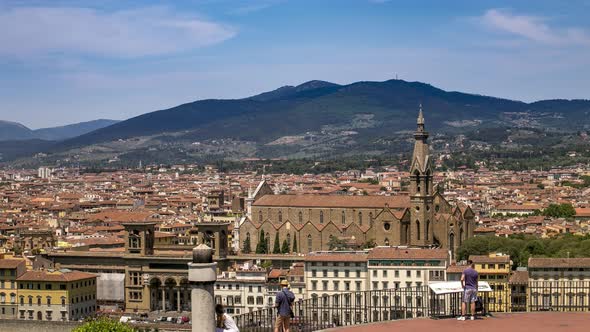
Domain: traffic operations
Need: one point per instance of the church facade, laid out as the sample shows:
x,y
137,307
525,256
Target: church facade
x,y
423,218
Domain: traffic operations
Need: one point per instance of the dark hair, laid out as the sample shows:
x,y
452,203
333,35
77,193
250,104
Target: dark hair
x,y
219,309
469,262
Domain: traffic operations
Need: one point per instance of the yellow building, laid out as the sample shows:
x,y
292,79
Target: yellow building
x,y
56,295
10,270
495,269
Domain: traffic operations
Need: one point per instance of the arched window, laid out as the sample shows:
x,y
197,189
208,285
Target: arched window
x,y
360,218
386,242
259,216
309,243
248,236
417,229
300,217
321,217
461,236
417,183
427,236
289,239
427,183
280,216
343,218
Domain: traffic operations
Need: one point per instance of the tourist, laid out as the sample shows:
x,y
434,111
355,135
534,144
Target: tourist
x,y
284,302
224,321
469,280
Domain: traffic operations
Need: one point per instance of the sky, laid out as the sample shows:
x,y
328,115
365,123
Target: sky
x,y
66,61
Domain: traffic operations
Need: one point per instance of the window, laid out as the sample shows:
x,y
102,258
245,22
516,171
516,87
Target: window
x,y
321,217
48,286
314,285
22,300
2,297
375,273
63,301
409,274
313,273
347,286
346,273
280,216
259,216
427,236
343,218
30,300
12,298
358,273
48,300
385,284
396,273
134,278
417,229
300,217
375,285
358,286
385,273
336,285
325,273
325,285
360,218
418,274
336,273
62,287
309,243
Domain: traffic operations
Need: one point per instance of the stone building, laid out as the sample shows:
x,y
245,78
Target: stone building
x,y
10,270
424,218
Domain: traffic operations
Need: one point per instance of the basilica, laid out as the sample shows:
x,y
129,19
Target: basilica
x,y
422,218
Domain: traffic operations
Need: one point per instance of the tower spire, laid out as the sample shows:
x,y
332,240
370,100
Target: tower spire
x,y
420,116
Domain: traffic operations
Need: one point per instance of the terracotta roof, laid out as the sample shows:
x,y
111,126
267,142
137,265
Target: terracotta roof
x,y
519,277
333,201
55,276
583,212
397,253
10,263
488,259
336,257
456,268
559,262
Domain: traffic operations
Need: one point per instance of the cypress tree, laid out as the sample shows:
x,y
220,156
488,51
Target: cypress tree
x,y
285,248
261,246
247,248
295,243
277,246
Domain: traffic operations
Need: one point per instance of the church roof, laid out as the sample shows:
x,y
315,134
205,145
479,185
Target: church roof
x,y
333,201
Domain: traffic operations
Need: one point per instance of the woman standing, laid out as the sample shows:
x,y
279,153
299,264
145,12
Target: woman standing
x,y
224,321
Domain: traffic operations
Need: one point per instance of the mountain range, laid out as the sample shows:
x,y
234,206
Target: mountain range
x,y
320,119
10,131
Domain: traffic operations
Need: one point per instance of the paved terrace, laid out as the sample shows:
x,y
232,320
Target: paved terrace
x,y
537,322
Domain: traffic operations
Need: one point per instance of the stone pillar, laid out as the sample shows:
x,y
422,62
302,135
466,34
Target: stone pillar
x,y
178,299
202,274
163,299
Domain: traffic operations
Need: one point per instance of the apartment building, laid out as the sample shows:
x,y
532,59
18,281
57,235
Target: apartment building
x,y
495,269
243,290
56,295
559,284
10,270
330,273
394,267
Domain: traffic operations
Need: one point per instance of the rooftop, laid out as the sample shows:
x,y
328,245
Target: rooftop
x,y
538,322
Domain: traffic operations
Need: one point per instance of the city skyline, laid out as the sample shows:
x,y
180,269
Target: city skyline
x,y
76,61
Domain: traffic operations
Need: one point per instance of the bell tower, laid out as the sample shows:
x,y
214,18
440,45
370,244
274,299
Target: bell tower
x,y
421,189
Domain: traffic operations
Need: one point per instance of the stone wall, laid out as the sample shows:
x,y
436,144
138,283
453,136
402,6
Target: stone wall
x,y
36,326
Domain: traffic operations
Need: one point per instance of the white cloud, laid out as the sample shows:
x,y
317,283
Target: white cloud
x,y
534,28
123,34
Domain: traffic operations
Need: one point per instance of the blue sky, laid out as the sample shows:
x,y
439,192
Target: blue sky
x,y
64,61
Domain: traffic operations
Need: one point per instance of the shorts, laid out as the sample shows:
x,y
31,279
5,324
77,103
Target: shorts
x,y
282,322
470,295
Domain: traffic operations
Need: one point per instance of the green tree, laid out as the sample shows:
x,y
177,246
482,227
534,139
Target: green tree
x,y
565,210
285,247
277,245
247,248
266,264
336,244
295,243
261,247
103,324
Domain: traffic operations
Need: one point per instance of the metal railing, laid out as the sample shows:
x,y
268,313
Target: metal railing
x,y
354,308
344,309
